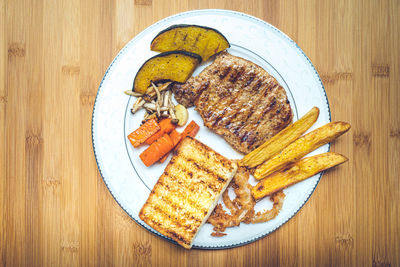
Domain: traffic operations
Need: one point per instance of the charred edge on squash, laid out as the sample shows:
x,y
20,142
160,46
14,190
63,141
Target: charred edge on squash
x,y
190,25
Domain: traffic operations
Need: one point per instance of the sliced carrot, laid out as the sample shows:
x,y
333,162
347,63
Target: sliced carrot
x,y
191,130
157,150
141,134
175,137
164,158
155,137
166,126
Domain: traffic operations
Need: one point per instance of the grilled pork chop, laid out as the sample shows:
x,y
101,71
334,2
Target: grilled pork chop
x,y
187,191
238,100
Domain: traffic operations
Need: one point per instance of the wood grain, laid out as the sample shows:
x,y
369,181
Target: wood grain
x,y
54,207
3,101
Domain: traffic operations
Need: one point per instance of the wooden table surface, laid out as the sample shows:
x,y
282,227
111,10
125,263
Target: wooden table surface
x,y
54,207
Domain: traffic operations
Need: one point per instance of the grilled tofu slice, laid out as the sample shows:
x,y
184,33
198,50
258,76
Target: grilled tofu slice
x,y
187,192
238,100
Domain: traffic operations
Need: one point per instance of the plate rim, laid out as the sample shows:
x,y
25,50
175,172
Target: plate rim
x,y
204,11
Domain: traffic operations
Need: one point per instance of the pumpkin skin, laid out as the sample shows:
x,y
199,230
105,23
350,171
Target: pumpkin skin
x,y
175,66
200,40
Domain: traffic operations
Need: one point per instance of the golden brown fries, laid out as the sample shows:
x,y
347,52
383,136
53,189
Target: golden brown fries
x,y
274,145
295,173
302,147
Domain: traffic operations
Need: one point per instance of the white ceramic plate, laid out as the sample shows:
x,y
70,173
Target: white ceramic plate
x,y
130,182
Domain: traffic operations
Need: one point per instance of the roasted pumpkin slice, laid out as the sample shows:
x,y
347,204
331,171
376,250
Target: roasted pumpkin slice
x,y
175,66
200,40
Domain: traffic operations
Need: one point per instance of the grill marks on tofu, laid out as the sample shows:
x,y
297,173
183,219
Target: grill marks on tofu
x,y
238,100
187,191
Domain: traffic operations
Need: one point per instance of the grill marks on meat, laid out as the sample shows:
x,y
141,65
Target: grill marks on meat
x,y
244,106
220,101
238,100
186,94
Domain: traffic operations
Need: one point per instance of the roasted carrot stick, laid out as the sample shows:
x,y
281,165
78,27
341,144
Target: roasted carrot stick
x,y
191,130
141,134
166,126
164,158
157,150
175,137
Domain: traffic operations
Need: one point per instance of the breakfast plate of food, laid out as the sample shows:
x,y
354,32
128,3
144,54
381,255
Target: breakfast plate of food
x,y
211,129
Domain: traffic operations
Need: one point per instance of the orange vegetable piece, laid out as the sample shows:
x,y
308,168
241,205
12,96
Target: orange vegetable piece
x,y
157,150
166,126
164,158
175,137
191,130
141,134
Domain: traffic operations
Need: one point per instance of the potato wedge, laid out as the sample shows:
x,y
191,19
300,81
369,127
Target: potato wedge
x,y
282,139
175,66
201,40
302,147
295,173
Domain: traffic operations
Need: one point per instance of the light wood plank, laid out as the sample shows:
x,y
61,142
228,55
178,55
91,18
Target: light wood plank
x,y
33,99
59,227
24,140
3,51
96,19
380,71
3,101
3,188
334,61
392,195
